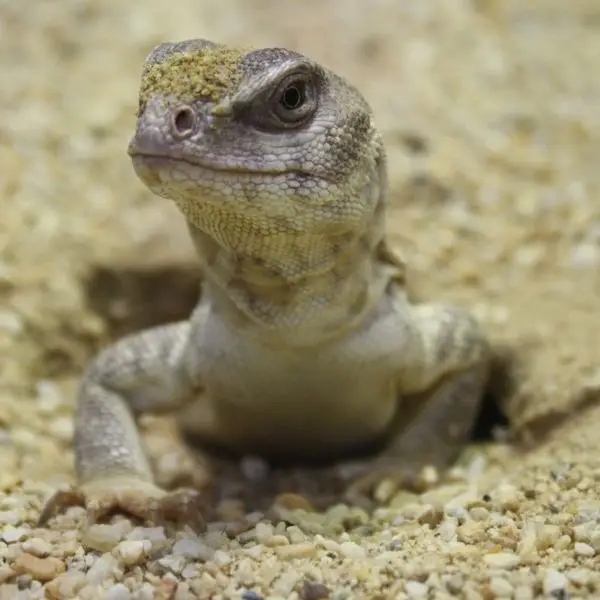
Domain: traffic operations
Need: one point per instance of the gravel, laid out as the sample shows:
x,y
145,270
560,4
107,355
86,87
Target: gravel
x,y
501,206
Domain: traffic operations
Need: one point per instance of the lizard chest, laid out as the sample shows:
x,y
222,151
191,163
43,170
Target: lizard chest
x,y
269,398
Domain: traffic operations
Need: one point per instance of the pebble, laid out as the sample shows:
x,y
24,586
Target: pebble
x,y
263,532
132,552
173,563
523,592
65,586
102,569
221,558
296,551
554,582
415,589
102,538
153,534
195,549
6,573
14,534
501,587
9,517
37,546
502,560
583,549
352,550
313,590
118,592
42,569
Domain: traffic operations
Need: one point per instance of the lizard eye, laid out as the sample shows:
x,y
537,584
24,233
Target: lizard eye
x,y
294,100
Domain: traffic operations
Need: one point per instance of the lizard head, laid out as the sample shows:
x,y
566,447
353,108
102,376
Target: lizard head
x,y
265,141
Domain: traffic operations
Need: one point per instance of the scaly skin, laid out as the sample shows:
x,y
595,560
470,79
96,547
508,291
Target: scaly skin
x,y
304,344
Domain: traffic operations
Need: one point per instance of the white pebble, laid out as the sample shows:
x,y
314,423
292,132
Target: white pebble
x,y
49,397
132,552
352,550
501,587
501,560
173,563
11,322
554,582
118,592
14,534
152,534
102,538
9,517
263,532
415,589
583,549
102,569
37,546
221,558
191,548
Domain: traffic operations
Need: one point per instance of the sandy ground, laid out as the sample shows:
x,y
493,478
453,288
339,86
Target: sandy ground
x,y
489,110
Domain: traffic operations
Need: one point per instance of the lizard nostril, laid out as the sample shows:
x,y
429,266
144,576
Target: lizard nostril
x,y
183,120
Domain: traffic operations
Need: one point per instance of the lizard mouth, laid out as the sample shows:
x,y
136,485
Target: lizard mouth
x,y
155,161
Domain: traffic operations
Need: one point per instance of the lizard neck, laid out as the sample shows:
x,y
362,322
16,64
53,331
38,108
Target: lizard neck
x,y
305,287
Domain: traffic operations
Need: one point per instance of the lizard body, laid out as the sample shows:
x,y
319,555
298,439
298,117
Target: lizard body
x,y
304,343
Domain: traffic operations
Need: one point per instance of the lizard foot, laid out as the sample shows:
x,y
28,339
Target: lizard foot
x,y
378,483
135,497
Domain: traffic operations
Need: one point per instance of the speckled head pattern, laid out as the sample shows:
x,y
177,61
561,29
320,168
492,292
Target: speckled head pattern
x,y
268,155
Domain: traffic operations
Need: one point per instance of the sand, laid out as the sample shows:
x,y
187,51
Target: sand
x,y
489,111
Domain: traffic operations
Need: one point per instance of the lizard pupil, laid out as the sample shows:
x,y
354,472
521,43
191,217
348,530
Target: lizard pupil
x,y
293,97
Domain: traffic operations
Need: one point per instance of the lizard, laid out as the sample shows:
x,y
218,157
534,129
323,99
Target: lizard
x,y
304,343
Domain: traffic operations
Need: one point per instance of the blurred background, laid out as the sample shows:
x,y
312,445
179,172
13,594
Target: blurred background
x,y
489,109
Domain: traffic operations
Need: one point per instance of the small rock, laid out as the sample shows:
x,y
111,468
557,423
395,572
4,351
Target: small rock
x,y
415,589
471,532
37,546
154,534
501,560
41,569
6,573
12,534
221,558
291,501
501,587
352,550
554,582
524,592
263,532
132,552
173,563
166,589
296,551
102,538
579,577
118,592
102,569
65,586
314,590
583,549
191,548
9,517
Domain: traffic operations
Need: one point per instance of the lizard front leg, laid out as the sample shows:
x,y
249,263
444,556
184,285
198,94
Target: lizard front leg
x,y
442,375
142,372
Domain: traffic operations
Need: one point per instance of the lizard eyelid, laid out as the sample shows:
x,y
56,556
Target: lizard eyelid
x,y
288,105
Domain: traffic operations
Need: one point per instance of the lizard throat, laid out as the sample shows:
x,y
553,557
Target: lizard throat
x,y
317,301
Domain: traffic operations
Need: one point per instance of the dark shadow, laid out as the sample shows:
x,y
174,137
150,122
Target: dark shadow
x,y
131,299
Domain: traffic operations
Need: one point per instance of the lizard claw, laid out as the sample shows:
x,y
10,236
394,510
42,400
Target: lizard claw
x,y
381,482
135,497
